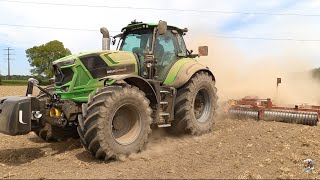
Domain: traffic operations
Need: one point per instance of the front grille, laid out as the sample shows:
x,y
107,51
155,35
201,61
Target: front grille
x,y
62,76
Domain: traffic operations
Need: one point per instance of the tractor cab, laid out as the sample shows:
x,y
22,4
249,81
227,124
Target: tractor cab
x,y
155,45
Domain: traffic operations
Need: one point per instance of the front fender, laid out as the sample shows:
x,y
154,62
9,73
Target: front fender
x,y
137,81
177,77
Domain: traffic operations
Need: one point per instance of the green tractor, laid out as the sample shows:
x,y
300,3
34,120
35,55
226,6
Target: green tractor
x,y
112,98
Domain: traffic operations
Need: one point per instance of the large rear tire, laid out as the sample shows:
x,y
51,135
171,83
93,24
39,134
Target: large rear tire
x,y
196,104
49,132
116,121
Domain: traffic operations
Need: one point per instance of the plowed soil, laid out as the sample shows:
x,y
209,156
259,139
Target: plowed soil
x,y
235,149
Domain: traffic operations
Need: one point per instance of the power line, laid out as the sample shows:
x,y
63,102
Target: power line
x,y
210,35
50,27
162,9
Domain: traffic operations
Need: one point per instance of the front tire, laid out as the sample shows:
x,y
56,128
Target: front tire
x,y
196,105
116,122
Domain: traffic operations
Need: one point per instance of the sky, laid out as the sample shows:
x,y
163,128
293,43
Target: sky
x,y
254,28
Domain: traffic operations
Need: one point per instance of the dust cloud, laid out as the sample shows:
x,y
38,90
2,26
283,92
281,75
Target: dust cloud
x,y
161,141
238,76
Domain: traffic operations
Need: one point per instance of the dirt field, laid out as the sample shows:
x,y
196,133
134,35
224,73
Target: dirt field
x,y
235,149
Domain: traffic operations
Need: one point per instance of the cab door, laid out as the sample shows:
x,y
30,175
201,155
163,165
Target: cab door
x,y
166,51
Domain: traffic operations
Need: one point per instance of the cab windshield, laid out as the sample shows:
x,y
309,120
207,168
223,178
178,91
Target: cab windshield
x,y
137,41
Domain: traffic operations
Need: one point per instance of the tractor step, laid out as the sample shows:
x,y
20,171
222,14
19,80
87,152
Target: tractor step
x,y
165,92
164,114
163,103
164,125
165,108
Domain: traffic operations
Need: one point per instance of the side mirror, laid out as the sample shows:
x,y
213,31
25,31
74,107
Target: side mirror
x,y
33,81
203,50
162,27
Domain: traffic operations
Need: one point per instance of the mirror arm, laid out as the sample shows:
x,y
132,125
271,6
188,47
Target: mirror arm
x,y
194,55
154,39
188,53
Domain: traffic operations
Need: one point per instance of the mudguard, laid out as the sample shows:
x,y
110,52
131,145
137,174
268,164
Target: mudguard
x,y
178,77
15,115
137,81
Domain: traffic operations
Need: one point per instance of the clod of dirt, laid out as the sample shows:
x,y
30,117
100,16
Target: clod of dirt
x,y
285,169
171,171
307,144
268,160
133,157
9,175
122,158
146,158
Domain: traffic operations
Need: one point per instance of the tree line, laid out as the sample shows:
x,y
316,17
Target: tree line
x,y
22,77
40,59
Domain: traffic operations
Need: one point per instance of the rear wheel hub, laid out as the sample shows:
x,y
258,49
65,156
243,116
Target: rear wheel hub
x,y
202,104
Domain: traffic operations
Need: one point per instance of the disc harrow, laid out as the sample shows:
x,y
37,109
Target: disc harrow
x,y
264,109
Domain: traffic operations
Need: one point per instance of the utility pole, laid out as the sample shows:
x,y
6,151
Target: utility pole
x,y
7,50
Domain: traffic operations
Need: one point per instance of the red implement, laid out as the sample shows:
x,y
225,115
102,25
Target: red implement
x,y
264,109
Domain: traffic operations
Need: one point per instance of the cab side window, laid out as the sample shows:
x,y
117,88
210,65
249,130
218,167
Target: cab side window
x,y
165,51
183,51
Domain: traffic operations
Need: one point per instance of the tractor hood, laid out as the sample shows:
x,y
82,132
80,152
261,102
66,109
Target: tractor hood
x,y
114,57
83,71
104,62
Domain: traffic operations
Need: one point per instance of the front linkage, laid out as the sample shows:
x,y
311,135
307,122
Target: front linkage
x,y
22,114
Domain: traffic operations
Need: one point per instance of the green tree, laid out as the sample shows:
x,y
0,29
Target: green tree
x,y
41,57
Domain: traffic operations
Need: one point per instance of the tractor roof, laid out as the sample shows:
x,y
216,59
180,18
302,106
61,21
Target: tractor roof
x,y
139,25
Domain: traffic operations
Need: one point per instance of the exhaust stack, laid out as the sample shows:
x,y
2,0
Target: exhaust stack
x,y
105,38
